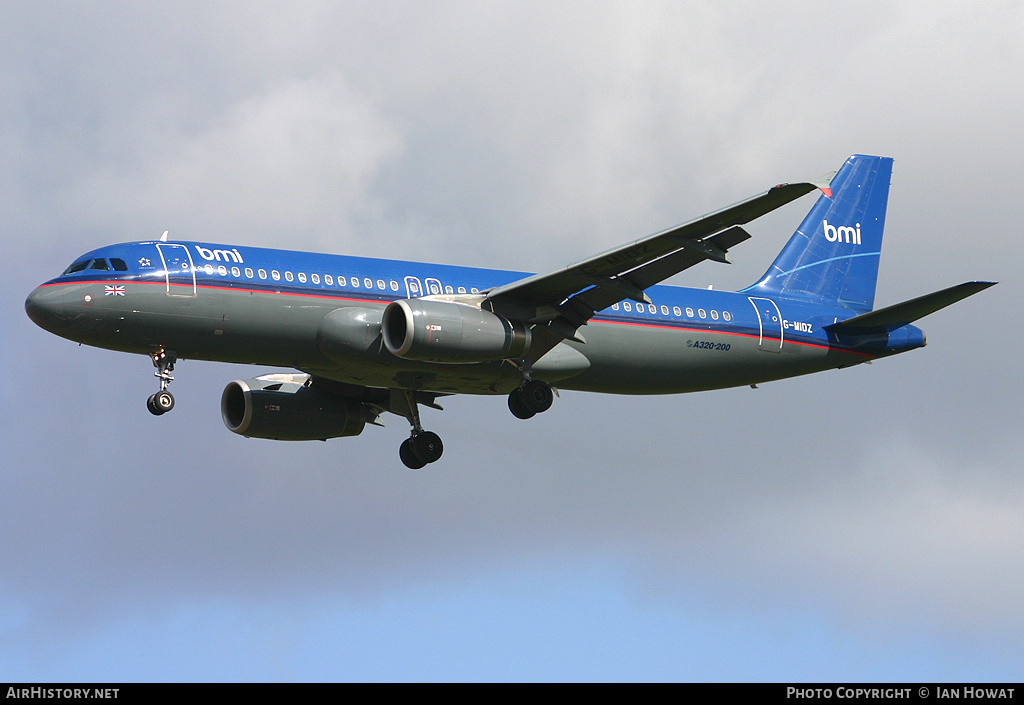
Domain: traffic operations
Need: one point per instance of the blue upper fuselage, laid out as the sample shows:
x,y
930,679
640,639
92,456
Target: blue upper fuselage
x,y
188,267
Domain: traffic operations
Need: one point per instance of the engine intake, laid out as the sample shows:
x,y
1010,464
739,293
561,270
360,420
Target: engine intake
x,y
439,331
285,410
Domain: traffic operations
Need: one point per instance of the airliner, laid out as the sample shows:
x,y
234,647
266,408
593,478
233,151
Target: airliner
x,y
361,337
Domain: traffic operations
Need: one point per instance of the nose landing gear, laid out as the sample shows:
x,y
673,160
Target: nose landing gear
x,y
162,402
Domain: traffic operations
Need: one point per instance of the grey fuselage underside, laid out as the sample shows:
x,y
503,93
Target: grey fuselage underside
x,y
283,330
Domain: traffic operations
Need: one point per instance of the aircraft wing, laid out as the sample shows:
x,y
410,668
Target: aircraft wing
x,y
567,298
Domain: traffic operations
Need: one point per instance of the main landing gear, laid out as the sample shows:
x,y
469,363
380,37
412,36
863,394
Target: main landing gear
x,y
162,402
421,447
530,398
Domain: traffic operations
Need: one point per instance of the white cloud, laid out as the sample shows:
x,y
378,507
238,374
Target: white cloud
x,y
291,166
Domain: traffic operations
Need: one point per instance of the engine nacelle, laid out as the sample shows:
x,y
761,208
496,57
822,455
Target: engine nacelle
x,y
439,331
282,408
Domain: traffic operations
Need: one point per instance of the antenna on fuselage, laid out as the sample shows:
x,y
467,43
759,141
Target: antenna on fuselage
x,y
163,238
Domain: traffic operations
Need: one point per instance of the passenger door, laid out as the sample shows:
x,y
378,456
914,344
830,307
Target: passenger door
x,y
179,270
771,324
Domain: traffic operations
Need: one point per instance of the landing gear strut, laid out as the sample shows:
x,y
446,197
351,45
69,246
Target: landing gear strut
x,y
530,398
421,447
162,402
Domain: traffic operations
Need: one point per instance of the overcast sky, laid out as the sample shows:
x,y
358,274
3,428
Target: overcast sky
x,y
864,524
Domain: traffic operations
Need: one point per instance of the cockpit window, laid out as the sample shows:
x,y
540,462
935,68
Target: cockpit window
x,y
76,267
118,264
99,264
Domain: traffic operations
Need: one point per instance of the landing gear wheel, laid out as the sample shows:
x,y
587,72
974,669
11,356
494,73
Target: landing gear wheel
x,y
428,446
537,396
517,407
407,452
163,402
160,403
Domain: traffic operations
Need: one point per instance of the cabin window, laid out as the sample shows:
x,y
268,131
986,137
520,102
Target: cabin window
x,y
262,273
328,280
394,285
368,283
209,269
702,313
626,306
315,278
381,285
302,277
676,311
289,276
248,273
118,264
236,272
714,314
100,264
342,281
689,312
275,275
726,315
615,307
449,290
664,310
474,290
462,290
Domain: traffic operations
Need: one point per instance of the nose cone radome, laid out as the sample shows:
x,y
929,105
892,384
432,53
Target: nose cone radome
x,y
37,309
49,309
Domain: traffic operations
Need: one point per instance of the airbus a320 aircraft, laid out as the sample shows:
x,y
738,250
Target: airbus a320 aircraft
x,y
370,336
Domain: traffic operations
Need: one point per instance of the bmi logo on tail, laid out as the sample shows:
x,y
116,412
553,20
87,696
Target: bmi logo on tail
x,y
843,233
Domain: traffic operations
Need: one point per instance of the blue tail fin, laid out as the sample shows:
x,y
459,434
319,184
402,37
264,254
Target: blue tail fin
x,y
833,256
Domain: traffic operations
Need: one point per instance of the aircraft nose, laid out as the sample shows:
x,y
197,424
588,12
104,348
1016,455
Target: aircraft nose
x,y
38,309
48,310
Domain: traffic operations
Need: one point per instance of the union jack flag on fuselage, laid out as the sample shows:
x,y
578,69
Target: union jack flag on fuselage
x,y
113,290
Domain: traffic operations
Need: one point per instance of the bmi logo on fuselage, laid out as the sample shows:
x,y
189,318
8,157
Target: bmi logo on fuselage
x,y
843,233
219,255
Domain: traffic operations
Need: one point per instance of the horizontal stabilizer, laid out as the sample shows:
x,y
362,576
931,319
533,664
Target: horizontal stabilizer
x,y
899,315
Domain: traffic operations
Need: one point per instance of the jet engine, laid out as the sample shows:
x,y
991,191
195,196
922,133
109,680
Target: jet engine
x,y
439,331
285,408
